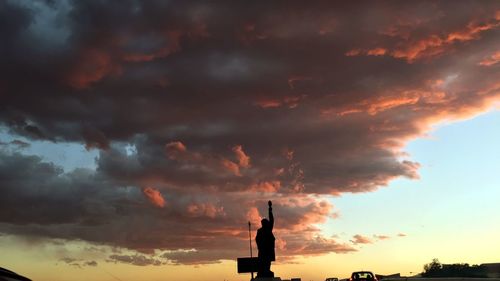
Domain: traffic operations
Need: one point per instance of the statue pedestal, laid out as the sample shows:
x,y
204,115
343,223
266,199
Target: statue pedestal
x,y
266,279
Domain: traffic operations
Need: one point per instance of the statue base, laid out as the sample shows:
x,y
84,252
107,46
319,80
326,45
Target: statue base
x,y
266,279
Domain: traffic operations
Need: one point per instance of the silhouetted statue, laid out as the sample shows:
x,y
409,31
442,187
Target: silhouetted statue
x,y
265,244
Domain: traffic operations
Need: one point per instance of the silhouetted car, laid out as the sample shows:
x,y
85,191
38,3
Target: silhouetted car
x,y
332,279
363,276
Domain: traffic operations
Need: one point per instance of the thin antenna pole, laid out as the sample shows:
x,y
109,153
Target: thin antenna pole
x,y
250,241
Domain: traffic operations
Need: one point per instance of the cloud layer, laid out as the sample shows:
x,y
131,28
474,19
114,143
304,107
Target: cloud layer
x,y
226,105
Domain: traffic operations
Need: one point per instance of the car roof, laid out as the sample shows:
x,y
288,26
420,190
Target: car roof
x,y
362,272
5,273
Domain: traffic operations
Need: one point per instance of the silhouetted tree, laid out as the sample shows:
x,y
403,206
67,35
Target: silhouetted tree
x,y
436,269
432,269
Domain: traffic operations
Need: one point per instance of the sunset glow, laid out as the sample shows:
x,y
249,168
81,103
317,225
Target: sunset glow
x,y
139,138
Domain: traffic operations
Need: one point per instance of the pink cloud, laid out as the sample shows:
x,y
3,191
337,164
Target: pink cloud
x,y
381,237
360,239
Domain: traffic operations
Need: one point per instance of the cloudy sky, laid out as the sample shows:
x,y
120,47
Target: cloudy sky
x,y
138,138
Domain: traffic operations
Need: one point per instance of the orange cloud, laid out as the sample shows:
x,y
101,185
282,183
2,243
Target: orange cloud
x,y
205,210
253,216
491,60
354,52
268,103
313,212
207,162
231,166
376,52
429,96
175,150
93,65
370,52
154,196
266,186
471,32
243,159
431,46
386,103
288,101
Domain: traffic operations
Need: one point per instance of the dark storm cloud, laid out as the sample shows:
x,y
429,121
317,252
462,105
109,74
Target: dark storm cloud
x,y
40,200
40,193
139,260
77,262
18,144
226,104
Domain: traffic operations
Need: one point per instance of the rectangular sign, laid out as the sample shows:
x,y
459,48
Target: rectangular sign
x,y
246,265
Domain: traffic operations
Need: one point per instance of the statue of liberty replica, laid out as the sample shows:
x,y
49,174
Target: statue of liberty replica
x,y
265,243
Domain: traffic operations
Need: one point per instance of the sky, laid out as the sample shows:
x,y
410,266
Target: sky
x,y
137,139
